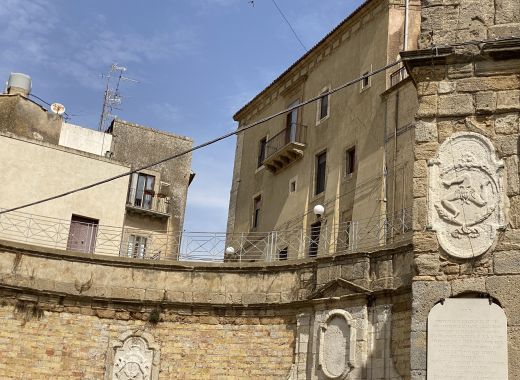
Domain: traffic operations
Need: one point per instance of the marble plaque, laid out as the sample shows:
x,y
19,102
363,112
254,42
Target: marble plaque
x,y
467,340
466,195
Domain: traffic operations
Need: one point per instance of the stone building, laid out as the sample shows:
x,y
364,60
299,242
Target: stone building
x,y
349,152
441,303
43,155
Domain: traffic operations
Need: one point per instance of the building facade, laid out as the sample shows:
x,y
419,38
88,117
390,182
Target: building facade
x,y
348,152
441,304
139,215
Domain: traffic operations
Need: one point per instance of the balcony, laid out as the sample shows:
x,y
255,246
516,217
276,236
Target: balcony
x,y
285,147
147,203
398,76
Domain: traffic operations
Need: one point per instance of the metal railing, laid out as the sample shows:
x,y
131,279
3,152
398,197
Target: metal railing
x,y
148,200
295,133
207,246
398,76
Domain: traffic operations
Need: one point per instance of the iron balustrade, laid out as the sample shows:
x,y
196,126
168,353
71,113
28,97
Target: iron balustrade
x,y
296,133
398,76
298,243
148,200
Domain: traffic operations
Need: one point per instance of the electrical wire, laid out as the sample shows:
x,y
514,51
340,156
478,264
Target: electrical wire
x,y
239,130
290,26
48,104
207,143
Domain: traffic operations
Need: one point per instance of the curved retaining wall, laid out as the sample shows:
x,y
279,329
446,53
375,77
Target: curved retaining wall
x,y
63,313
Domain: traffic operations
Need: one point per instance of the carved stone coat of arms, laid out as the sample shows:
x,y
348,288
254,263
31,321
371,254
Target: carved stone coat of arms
x,y
134,356
466,195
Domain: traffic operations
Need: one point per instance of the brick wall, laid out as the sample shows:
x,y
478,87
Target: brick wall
x,y
71,344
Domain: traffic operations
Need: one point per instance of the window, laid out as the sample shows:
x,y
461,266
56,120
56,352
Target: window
x,y
314,240
141,190
261,151
257,204
365,82
323,105
292,185
350,161
291,123
321,165
137,246
283,253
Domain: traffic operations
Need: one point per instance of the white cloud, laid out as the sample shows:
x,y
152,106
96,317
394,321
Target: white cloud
x,y
34,34
165,111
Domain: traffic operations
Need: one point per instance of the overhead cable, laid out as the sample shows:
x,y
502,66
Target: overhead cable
x,y
203,145
288,23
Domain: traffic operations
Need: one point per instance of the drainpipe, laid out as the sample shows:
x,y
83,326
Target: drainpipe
x,y
406,15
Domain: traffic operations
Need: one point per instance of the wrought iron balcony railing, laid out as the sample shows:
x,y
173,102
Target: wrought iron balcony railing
x,y
269,246
285,147
398,76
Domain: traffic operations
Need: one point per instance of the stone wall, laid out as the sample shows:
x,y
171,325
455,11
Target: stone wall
x,y
446,22
72,342
469,91
69,313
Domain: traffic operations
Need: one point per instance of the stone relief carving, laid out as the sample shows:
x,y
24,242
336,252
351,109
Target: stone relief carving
x,y
337,345
135,356
466,195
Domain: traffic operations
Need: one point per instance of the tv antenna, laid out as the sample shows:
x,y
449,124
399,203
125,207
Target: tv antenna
x,y
112,97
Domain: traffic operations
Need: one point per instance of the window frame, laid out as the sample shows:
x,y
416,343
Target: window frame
x,y
262,149
317,177
295,181
142,197
349,167
365,83
257,209
137,246
319,107
290,131
314,239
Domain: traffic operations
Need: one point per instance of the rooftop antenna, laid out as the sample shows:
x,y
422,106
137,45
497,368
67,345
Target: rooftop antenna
x,y
112,97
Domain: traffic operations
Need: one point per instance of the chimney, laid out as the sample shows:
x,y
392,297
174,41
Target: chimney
x,y
19,83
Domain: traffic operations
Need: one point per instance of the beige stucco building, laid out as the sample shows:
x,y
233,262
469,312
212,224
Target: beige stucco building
x,y
139,215
349,152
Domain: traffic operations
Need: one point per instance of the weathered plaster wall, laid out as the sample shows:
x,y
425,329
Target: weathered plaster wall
x,y
84,139
34,170
356,118
24,118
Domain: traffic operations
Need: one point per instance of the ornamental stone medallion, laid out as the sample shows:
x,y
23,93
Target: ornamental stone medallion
x,y
466,195
135,356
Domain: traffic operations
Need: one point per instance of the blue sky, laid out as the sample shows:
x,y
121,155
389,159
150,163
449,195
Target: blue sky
x,y
197,63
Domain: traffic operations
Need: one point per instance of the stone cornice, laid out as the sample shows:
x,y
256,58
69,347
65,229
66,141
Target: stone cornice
x,y
310,60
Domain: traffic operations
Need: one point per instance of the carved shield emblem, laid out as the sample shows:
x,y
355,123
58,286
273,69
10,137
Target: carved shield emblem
x,y
466,195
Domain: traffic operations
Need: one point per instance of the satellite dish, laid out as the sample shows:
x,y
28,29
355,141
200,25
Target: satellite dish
x,y
58,108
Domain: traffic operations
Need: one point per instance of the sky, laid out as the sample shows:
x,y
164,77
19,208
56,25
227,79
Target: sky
x,y
197,62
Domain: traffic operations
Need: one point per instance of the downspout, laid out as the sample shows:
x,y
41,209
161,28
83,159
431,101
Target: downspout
x,y
394,170
406,16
